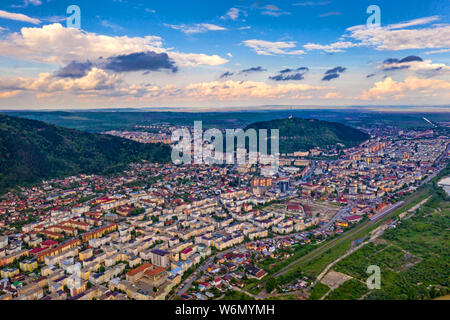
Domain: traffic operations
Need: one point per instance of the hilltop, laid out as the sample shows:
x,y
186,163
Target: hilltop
x,y
297,134
31,151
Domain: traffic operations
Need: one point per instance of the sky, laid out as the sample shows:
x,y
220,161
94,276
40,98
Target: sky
x,y
204,54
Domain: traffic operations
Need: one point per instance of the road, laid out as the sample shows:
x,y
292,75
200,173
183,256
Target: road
x,y
342,212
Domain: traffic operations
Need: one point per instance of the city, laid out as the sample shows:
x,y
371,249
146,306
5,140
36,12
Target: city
x,y
224,159
157,232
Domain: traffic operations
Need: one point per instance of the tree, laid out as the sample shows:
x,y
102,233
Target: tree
x,y
270,284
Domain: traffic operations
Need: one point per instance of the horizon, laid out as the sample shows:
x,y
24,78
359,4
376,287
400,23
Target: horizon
x,y
383,109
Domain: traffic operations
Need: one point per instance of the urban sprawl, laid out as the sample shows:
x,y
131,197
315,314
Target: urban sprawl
x,y
166,231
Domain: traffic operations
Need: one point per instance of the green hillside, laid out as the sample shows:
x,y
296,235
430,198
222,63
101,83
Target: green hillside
x,y
31,151
298,134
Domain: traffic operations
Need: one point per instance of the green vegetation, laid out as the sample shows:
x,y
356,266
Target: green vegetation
x,y
318,291
314,267
273,265
234,295
126,119
136,212
270,284
284,297
304,134
384,256
289,277
350,290
31,151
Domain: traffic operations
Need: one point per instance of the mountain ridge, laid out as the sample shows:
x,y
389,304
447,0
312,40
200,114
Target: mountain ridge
x,y
32,151
298,134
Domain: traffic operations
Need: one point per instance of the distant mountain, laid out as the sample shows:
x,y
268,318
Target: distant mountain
x,y
298,134
31,151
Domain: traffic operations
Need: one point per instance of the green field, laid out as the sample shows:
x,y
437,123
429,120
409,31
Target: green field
x,y
350,290
318,291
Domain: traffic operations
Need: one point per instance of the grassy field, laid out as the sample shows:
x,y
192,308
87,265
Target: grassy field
x,y
386,257
318,291
234,295
350,290
284,297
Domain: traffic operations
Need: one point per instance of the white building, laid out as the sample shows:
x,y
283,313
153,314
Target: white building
x,y
3,242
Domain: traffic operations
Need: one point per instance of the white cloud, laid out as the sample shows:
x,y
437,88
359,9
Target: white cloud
x,y
392,37
237,90
95,80
273,10
438,51
424,68
98,83
95,84
329,14
54,19
57,44
196,28
195,59
18,17
311,3
111,25
334,47
233,14
332,96
414,22
269,48
388,88
26,3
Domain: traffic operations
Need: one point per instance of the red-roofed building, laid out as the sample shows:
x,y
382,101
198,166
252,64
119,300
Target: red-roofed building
x,y
353,219
294,207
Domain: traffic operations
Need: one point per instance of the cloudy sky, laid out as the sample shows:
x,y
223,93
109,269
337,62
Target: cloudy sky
x,y
212,54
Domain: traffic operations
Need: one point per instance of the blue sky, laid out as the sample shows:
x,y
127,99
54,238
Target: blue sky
x,y
211,54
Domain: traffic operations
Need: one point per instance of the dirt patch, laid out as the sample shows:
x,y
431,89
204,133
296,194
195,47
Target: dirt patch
x,y
334,279
378,241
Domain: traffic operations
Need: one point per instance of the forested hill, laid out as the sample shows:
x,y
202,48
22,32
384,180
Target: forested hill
x,y
31,151
297,134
